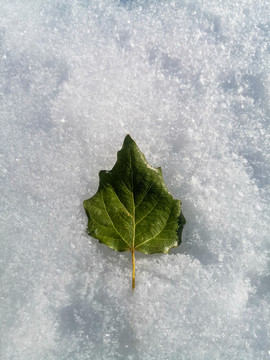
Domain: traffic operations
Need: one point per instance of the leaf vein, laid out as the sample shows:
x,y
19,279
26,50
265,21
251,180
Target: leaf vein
x,y
142,243
124,183
147,192
121,202
150,209
107,212
112,221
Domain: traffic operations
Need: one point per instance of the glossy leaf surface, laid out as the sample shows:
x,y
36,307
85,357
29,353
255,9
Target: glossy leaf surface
x,y
133,209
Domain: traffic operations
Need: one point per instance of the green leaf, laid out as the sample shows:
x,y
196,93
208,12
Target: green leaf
x,y
133,209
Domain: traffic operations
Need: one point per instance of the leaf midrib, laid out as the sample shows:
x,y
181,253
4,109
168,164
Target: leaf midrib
x,y
133,215
133,205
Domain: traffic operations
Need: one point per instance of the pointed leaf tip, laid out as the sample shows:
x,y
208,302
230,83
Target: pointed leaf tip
x,y
128,137
128,140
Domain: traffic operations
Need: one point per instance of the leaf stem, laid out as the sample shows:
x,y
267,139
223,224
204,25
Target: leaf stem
x,y
133,269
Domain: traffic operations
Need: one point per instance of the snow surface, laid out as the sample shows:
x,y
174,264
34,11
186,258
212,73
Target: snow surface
x,y
189,80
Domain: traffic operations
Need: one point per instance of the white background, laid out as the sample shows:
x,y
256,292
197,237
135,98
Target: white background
x,y
189,80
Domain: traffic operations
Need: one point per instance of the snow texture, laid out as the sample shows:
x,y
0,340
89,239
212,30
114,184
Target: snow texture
x,y
189,81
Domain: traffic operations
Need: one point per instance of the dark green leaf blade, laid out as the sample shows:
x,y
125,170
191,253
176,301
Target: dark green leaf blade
x,y
133,209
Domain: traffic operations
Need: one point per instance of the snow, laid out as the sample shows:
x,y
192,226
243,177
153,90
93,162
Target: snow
x,y
189,80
